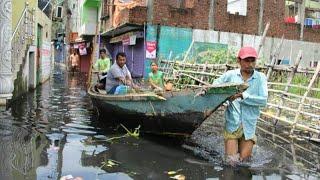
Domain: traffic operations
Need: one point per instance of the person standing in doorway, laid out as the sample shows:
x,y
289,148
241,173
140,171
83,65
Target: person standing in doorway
x,y
102,65
74,60
243,108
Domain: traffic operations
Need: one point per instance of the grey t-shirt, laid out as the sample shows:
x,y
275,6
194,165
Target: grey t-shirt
x,y
116,72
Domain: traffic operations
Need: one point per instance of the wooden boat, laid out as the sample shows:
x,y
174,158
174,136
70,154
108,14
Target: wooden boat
x,y
174,112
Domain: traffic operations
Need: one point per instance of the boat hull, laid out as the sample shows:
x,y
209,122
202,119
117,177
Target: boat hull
x,y
180,113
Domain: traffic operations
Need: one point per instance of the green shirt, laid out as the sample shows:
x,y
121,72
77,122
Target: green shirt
x,y
102,65
156,78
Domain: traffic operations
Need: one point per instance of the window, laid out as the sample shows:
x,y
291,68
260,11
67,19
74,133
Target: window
x,y
292,12
311,14
315,63
182,4
237,7
59,12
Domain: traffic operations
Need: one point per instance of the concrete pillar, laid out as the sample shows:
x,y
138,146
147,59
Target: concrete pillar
x,y
211,15
150,4
302,9
260,20
6,82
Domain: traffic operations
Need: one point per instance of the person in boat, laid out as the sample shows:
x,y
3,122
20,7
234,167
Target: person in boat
x,y
119,79
243,108
74,61
102,65
156,78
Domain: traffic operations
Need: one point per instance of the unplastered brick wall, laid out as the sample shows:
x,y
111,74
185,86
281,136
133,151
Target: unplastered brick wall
x,y
274,12
168,13
312,35
223,21
138,15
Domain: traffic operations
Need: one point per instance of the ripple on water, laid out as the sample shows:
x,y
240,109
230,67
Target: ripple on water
x,y
77,131
78,125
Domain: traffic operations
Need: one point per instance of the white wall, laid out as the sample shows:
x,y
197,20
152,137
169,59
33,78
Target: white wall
x,y
75,18
289,50
88,27
45,56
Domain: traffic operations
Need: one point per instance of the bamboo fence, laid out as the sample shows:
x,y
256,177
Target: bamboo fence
x,y
294,93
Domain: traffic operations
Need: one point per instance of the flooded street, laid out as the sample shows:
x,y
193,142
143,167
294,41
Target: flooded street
x,y
52,132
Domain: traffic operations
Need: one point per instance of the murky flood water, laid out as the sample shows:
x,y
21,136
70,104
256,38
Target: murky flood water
x,y
52,132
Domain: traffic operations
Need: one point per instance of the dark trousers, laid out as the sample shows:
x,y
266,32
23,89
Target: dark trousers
x,y
103,81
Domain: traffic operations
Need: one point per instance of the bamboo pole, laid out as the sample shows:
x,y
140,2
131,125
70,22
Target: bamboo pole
x,y
316,74
263,38
300,126
294,95
278,106
290,78
198,73
188,51
294,70
275,55
222,67
297,102
285,139
202,82
294,145
293,85
93,53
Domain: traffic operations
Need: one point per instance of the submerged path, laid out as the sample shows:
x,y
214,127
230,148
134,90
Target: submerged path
x,y
275,155
53,132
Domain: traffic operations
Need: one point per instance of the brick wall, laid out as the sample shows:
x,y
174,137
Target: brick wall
x,y
194,14
106,7
167,13
135,15
138,15
234,23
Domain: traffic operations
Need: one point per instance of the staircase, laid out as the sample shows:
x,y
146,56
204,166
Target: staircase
x,y
22,37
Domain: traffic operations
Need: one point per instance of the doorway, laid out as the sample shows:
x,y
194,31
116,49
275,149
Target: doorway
x,y
32,71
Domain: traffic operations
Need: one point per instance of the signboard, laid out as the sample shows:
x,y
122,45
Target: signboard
x,y
129,40
82,49
151,49
128,35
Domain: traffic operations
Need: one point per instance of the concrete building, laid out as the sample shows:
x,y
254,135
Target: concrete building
x,y
170,27
83,24
29,34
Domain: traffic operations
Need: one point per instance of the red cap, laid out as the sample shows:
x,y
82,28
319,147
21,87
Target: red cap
x,y
246,52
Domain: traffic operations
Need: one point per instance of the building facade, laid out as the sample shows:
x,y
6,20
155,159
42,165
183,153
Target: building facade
x,y
172,27
30,45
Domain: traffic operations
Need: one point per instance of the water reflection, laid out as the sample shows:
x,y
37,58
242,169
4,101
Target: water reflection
x,y
275,155
52,132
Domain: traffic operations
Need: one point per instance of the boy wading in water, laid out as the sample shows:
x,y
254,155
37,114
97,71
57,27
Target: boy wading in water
x,y
243,108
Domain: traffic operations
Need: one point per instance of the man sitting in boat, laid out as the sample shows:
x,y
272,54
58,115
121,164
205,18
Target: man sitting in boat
x,y
119,79
243,108
156,78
